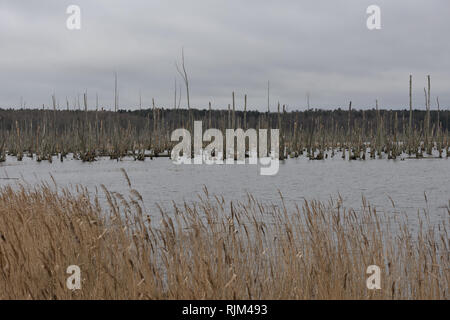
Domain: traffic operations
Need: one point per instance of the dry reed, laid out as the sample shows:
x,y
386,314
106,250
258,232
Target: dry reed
x,y
211,249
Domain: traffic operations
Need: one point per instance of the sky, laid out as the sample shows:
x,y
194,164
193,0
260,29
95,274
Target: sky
x,y
318,48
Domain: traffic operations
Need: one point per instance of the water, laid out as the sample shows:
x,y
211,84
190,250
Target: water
x,y
160,181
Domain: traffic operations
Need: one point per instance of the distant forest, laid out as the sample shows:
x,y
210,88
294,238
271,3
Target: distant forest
x,y
140,119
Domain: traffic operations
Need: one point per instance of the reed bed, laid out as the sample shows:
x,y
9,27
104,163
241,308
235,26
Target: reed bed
x,y
212,249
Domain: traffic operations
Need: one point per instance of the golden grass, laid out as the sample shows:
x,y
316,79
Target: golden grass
x,y
211,249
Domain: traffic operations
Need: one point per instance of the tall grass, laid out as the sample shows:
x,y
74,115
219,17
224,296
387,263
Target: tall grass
x,y
212,249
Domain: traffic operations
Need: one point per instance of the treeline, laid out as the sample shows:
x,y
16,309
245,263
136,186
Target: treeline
x,y
146,133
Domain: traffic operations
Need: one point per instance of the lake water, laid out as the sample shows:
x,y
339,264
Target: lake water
x,y
161,181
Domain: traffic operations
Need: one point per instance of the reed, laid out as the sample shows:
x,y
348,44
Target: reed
x,y
212,249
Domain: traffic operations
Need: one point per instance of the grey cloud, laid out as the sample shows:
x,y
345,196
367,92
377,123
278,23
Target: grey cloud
x,y
321,47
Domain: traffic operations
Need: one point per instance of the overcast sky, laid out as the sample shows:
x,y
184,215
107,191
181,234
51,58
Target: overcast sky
x,y
320,47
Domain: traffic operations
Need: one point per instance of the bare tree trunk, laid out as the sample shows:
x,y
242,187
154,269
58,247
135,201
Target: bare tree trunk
x,y
209,122
233,120
349,128
115,92
429,107
410,105
184,75
245,112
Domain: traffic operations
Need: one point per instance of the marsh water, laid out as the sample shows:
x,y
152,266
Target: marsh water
x,y
411,184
